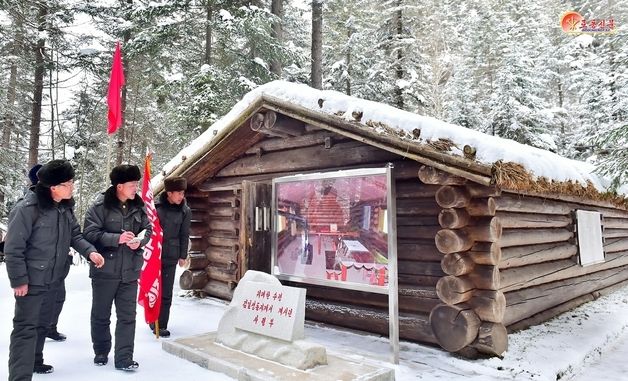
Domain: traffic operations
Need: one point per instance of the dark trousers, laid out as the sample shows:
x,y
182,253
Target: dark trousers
x,y
30,324
167,279
57,294
105,292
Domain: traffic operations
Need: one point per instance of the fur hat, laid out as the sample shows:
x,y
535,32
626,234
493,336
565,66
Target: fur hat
x,y
175,184
124,173
32,174
55,172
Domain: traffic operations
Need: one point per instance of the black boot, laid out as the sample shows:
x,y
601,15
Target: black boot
x,y
164,332
101,359
56,335
43,368
128,365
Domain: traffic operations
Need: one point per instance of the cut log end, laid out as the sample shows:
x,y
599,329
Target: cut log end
x,y
454,290
193,279
455,327
452,241
452,197
492,339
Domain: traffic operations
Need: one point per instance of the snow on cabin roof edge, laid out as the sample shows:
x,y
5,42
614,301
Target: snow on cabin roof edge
x,y
541,166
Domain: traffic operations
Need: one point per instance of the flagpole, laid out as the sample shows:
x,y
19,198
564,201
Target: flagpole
x,y
106,174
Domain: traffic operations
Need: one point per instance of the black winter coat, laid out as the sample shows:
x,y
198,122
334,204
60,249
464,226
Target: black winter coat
x,y
175,222
39,237
104,223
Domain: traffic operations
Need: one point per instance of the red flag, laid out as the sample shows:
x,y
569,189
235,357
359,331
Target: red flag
x,y
114,100
150,278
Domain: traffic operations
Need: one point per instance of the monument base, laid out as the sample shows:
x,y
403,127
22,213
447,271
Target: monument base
x,y
205,352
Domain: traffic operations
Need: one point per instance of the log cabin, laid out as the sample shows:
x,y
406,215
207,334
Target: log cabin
x,y
487,230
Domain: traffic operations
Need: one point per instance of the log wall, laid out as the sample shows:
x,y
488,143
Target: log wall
x,y
316,151
511,261
213,261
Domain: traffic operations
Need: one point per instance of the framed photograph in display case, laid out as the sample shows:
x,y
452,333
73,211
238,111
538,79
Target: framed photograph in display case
x,y
335,229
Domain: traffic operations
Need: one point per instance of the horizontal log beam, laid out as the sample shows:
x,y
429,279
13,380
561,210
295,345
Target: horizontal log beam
x,y
431,175
615,223
417,232
415,327
225,255
219,289
521,237
411,299
482,191
532,220
313,139
485,277
522,304
616,244
489,305
353,152
481,207
418,207
485,253
532,275
513,203
417,221
518,256
564,307
414,189
425,251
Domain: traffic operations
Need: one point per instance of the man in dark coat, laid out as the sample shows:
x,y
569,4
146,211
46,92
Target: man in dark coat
x,y
42,227
118,226
175,217
56,296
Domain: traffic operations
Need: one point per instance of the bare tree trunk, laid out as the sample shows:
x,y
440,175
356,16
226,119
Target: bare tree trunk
x,y
209,11
276,8
398,24
348,84
33,146
9,116
317,44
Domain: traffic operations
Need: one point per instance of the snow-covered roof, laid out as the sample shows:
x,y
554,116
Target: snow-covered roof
x,y
384,120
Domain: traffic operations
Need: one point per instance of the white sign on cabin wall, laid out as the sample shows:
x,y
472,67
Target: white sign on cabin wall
x,y
590,245
272,310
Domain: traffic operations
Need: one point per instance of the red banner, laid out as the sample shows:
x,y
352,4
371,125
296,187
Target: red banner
x,y
150,278
114,99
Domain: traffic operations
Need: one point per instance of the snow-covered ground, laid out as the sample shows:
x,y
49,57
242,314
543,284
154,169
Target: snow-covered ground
x,y
588,343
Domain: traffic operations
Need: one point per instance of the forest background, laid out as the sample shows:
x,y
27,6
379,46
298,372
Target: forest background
x,y
505,68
